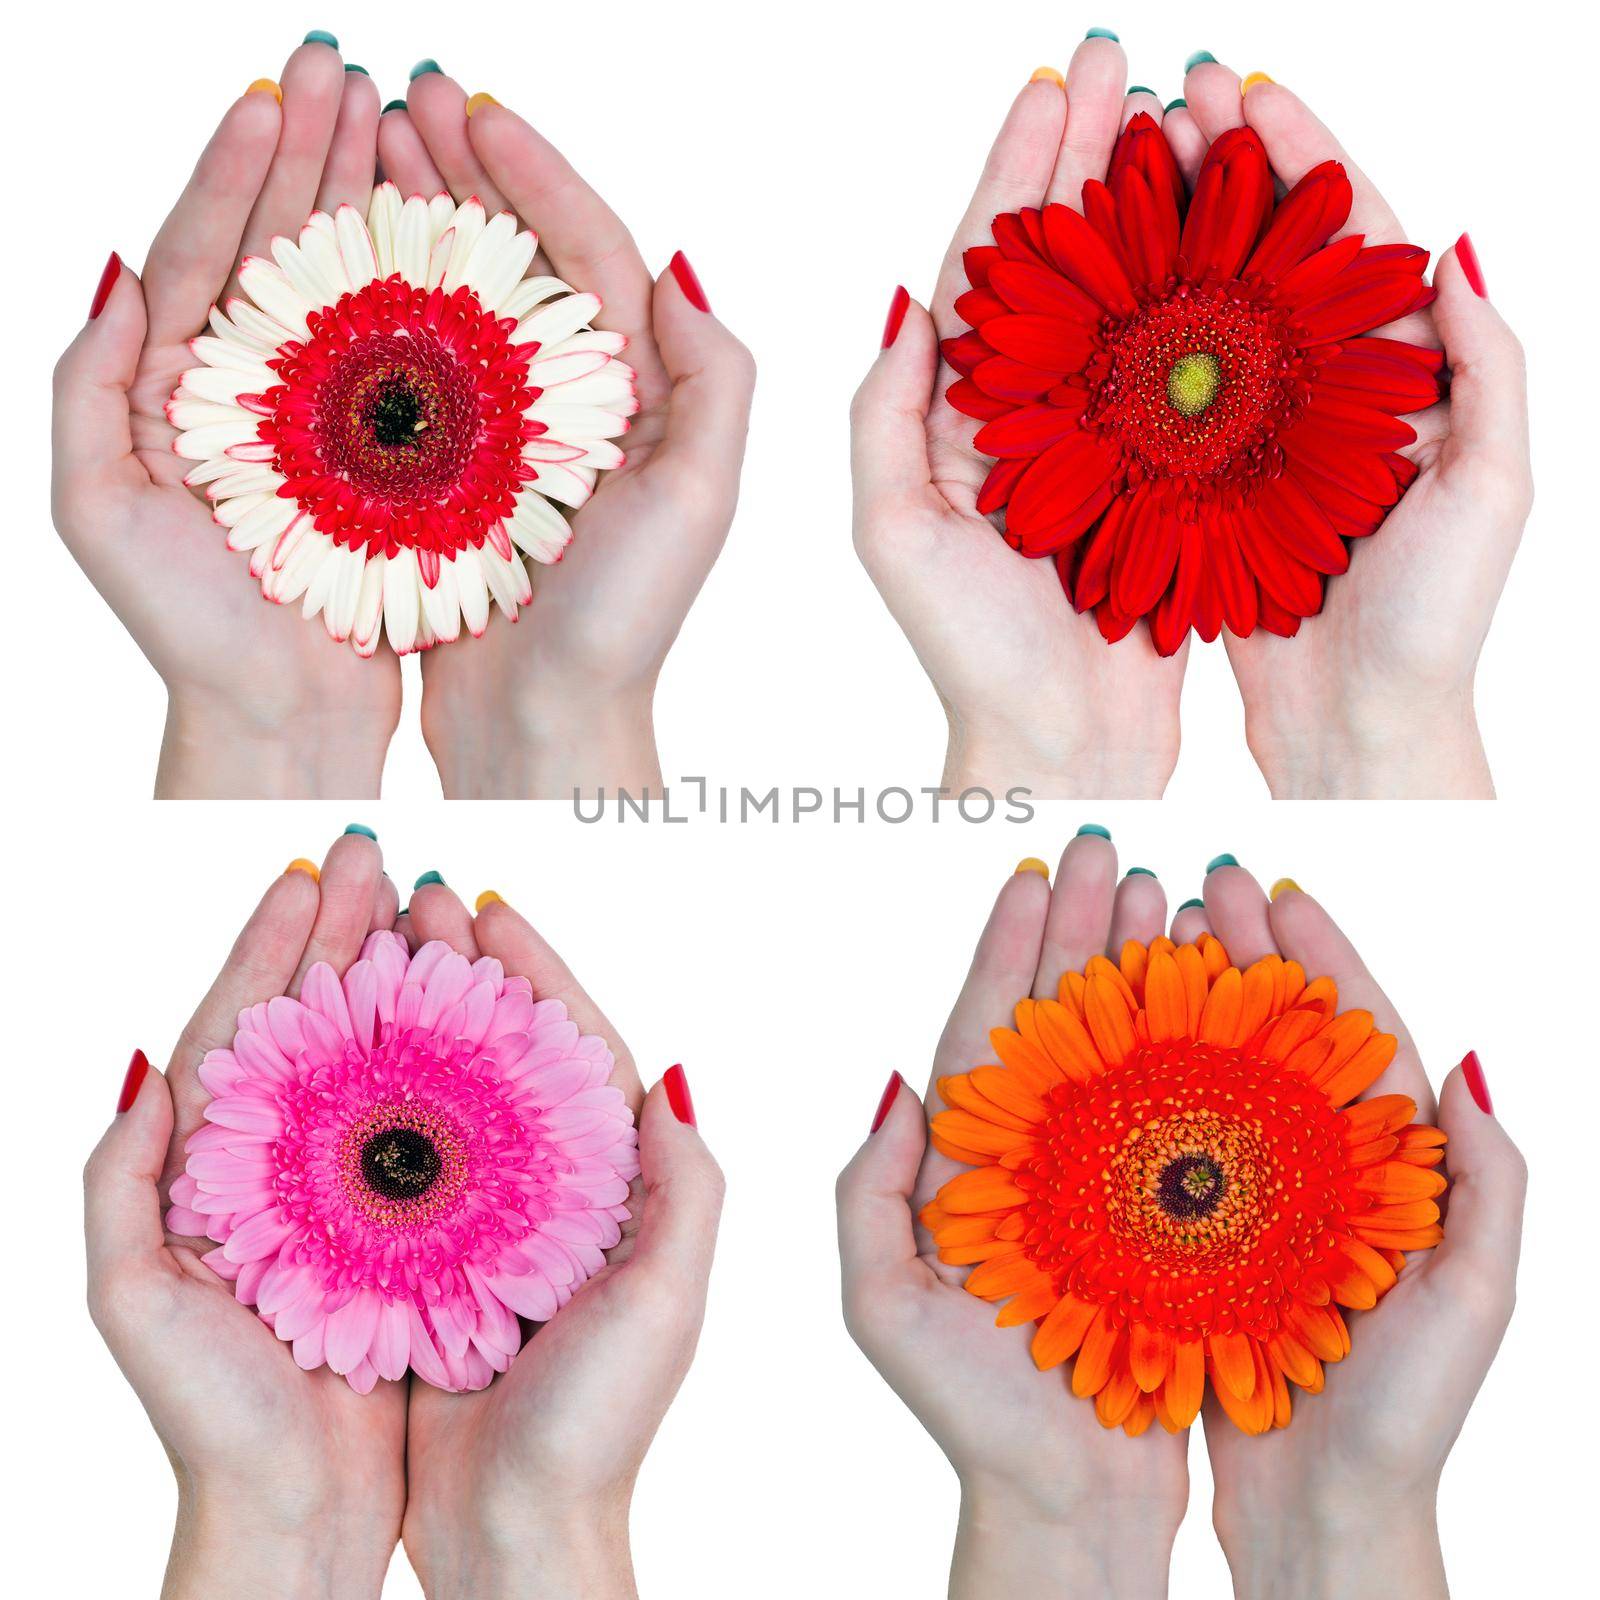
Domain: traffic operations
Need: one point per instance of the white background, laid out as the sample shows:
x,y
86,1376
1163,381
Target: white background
x,y
806,161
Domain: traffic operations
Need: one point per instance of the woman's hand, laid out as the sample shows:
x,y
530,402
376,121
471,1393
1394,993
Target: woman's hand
x,y
259,703
1050,1500
289,1482
1342,1500
1033,694
562,701
1373,697
523,1487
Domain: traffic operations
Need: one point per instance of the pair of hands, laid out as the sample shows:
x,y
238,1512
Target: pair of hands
x,y
262,704
1373,697
291,1484
1339,1502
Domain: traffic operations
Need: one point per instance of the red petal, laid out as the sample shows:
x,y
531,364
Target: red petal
x,y
971,401
1013,240
965,352
1027,287
1026,432
1291,583
1093,582
1236,589
976,306
1176,614
998,486
1363,425
1143,148
1297,523
1149,228
1146,554
1060,494
978,262
1352,517
1317,271
1336,458
1084,257
1273,617
1040,341
1006,379
1378,287
1100,212
1112,624
1232,197
1368,368
1306,218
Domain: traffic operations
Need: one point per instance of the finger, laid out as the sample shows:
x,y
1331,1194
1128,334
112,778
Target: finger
x,y
1079,921
121,1200
1139,911
438,107
402,926
889,467
353,151
683,1189
583,238
876,1236
402,155
1237,908
348,890
437,913
1138,98
1095,79
1016,174
1189,921
1184,139
385,906
193,254
1304,932
1211,94
507,936
313,86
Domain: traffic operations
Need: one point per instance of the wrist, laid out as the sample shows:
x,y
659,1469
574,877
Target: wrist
x,y
1128,763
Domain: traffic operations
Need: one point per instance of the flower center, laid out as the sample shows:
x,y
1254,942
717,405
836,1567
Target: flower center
x,y
395,414
400,1163
1193,382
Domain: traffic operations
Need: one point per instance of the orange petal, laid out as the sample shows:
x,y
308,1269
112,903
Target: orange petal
x,y
1384,1113
1196,984
1293,1359
1232,1363
1030,1063
1062,1331
957,1152
1349,1284
1149,1354
1003,1275
1118,1397
1133,962
1165,1002
1400,1180
1100,967
1109,1020
1186,1383
1362,1070
1214,954
982,1189
1067,1041
961,1093
1028,1306
1314,1327
1096,1355
1007,1091
1140,1418
1219,1018
974,1133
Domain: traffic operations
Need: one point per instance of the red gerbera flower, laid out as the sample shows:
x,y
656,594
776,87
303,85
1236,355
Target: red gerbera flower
x,y
1182,395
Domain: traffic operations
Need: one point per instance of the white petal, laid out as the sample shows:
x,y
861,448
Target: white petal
x,y
499,260
188,414
413,241
473,590
441,604
382,221
199,443
253,321
272,291
468,227
608,389
537,527
558,320
368,624
226,356
499,575
287,583
572,486
265,523
550,371
441,213
532,292
355,247
401,599
224,385
578,422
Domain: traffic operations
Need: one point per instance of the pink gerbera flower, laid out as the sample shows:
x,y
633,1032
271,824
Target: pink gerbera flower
x,y
398,1166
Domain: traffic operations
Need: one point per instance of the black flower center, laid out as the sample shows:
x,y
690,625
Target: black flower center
x,y
1191,1186
395,414
400,1163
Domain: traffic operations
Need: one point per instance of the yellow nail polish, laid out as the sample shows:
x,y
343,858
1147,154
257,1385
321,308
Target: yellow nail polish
x,y
1250,82
1034,864
1047,75
1283,886
310,868
487,898
479,101
266,85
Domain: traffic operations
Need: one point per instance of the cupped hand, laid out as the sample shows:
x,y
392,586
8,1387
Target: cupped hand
x,y
1049,1496
1032,692
562,699
1374,696
260,702
289,1483
1342,1500
524,1487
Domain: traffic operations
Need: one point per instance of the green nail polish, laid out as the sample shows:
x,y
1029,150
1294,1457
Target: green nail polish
x,y
426,65
350,66
1138,872
321,36
1102,33
1224,860
1139,88
426,879
1095,829
1198,59
394,105
363,830
1174,105
1193,905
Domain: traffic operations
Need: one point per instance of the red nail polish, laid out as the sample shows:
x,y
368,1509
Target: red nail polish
x,y
130,1084
688,282
897,315
1473,272
677,1087
108,281
890,1091
1472,1071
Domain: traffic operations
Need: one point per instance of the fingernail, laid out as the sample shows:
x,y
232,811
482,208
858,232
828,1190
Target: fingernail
x,y
1466,255
393,105
1224,860
1472,1071
1139,88
1175,105
487,898
266,86
1283,886
1033,864
134,1076
897,315
479,101
108,281
321,36
1253,80
363,830
1102,33
350,66
1047,75
425,880
1138,872
1095,829
885,1101
688,282
1198,59
677,1087
404,911
310,868
1191,905
426,65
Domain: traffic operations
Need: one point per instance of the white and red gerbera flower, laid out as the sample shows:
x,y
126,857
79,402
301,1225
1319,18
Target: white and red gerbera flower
x,y
384,422
399,1165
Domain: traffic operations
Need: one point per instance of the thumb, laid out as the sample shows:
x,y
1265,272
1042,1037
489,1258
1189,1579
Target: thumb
x,y
889,416
89,431
121,1200
1482,1240
683,1186
876,1235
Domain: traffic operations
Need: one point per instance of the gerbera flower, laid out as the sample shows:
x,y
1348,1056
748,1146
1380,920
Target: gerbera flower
x,y
1183,400
1171,1178
393,410
398,1166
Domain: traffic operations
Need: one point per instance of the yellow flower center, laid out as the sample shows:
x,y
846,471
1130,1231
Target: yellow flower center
x,y
1193,382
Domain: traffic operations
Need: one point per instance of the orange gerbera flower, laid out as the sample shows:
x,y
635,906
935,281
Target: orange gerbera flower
x,y
1171,1179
